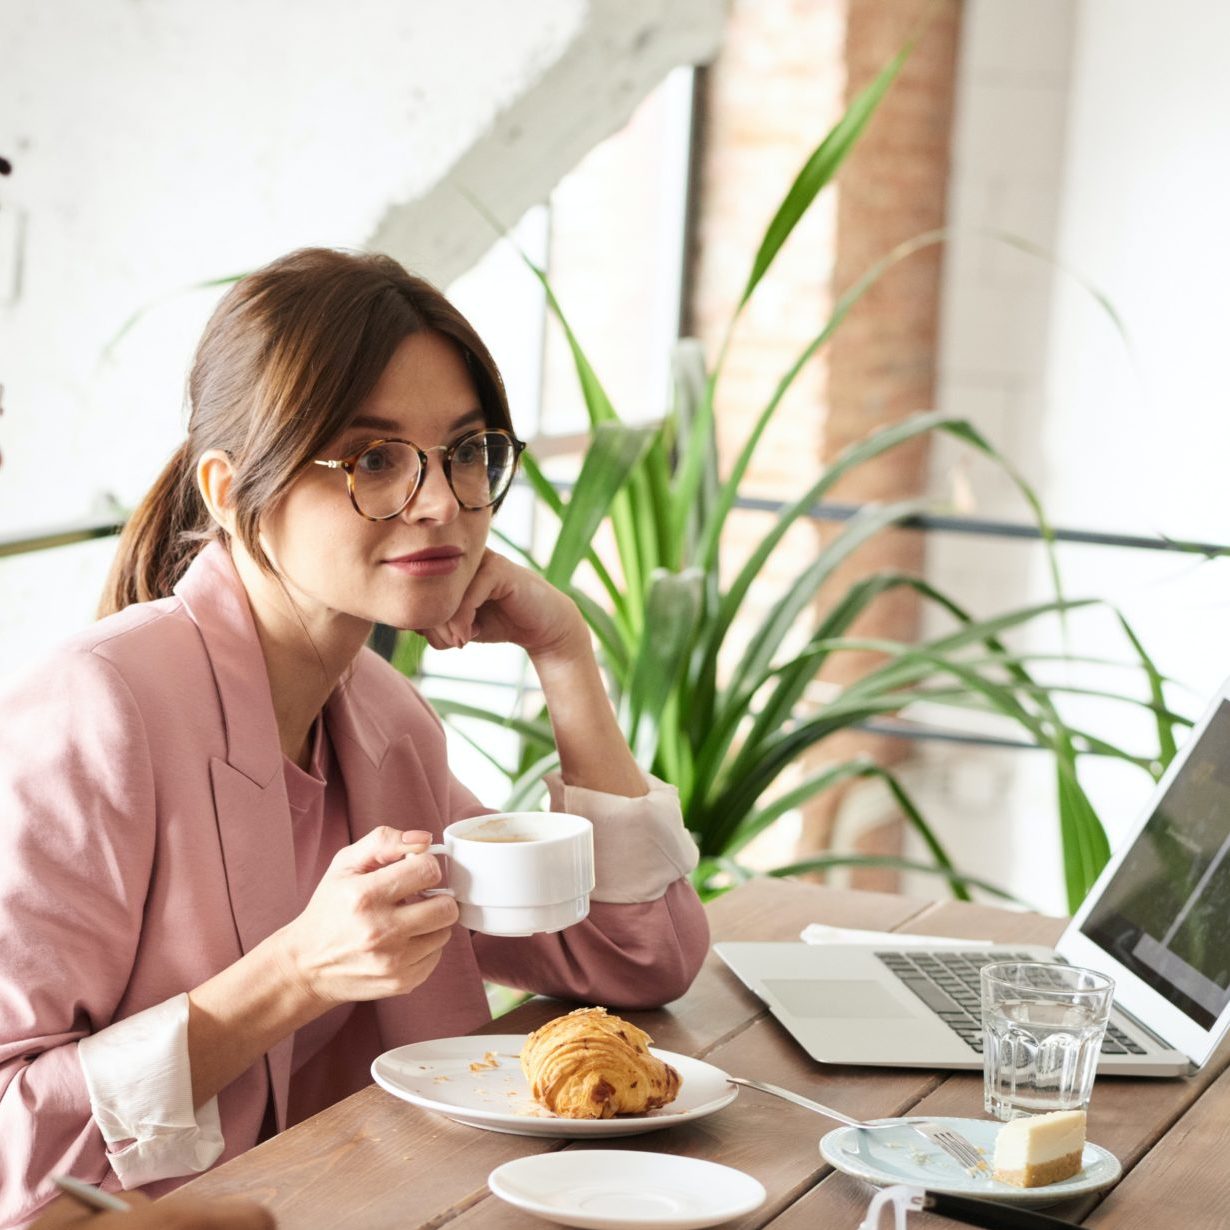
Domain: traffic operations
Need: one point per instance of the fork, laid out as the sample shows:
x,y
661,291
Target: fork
x,y
958,1147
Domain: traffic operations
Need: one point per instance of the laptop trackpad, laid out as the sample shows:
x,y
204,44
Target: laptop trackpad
x,y
837,998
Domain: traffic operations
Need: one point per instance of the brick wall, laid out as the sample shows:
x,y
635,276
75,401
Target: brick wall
x,y
786,72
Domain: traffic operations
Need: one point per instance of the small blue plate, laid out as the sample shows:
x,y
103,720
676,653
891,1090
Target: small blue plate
x,y
905,1156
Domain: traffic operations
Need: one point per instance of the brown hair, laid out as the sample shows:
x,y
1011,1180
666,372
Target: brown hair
x,y
284,364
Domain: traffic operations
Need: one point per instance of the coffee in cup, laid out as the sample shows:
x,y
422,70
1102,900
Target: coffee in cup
x,y
519,873
498,828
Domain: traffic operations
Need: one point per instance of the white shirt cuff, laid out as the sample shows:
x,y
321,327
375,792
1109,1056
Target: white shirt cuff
x,y
139,1080
640,845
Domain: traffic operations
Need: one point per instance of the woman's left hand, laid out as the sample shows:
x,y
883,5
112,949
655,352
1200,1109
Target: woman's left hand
x,y
506,602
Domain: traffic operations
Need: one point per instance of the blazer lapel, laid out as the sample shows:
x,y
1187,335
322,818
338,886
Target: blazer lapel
x,y
249,788
360,746
387,783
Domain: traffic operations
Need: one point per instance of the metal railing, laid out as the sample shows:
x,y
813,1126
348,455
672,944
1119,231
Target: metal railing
x,y
61,536
384,639
86,531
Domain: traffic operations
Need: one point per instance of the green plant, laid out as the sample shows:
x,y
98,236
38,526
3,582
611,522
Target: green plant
x,y
725,741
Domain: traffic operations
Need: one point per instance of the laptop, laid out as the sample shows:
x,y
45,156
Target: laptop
x,y
1157,921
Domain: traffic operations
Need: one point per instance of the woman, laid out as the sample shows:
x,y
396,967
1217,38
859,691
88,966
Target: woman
x,y
215,803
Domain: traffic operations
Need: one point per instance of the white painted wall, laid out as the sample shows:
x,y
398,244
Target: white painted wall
x,y
1095,129
158,146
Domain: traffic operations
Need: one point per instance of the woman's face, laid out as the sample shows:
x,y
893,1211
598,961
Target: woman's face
x,y
337,563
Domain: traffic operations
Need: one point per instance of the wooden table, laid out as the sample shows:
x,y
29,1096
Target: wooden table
x,y
374,1161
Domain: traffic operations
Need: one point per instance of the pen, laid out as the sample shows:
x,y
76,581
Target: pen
x,y
990,1215
91,1197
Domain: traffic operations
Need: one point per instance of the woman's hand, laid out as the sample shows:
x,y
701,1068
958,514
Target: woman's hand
x,y
365,934
506,602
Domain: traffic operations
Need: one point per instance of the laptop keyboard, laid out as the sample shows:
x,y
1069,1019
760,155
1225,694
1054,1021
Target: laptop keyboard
x,y
947,982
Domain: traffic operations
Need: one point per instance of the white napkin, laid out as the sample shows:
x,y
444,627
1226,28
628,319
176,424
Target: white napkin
x,y
820,933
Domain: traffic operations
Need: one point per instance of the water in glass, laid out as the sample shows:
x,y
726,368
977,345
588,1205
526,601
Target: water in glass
x,y
1043,1026
1040,1057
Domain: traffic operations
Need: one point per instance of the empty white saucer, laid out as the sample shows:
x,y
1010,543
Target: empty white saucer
x,y
608,1189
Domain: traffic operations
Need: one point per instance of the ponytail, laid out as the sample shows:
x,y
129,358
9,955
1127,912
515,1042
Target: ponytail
x,y
163,534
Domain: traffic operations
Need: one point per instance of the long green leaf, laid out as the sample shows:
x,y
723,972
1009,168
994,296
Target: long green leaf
x,y
793,677
656,491
613,454
480,746
546,492
408,653
628,516
730,488
842,308
713,635
718,733
515,548
717,813
614,645
695,427
860,768
824,862
819,169
530,788
756,822
131,322
634,517
772,631
674,759
671,608
1166,743
907,665
754,770
982,630
1085,847
539,732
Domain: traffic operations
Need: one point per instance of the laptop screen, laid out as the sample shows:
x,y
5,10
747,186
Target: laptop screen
x,y
1165,913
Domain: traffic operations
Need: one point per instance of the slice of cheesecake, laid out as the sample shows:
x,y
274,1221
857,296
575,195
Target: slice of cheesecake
x,y
1040,1149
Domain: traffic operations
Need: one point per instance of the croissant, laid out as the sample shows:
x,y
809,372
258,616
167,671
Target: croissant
x,y
591,1065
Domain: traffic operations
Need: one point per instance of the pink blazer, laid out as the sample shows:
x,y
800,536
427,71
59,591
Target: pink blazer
x,y
145,844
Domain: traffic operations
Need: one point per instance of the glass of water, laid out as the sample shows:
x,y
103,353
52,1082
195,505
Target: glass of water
x,y
1042,1028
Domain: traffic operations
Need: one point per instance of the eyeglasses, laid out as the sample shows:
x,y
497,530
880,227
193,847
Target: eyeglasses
x,y
385,475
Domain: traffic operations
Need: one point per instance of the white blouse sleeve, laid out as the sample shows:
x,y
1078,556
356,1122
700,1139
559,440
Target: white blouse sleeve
x,y
640,845
140,1085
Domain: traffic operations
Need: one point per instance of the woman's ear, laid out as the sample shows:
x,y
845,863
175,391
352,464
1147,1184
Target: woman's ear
x,y
214,475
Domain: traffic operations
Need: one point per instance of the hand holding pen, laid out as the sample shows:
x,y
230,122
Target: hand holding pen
x,y
85,1206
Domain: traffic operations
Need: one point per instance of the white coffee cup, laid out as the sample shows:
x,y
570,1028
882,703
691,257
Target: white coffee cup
x,y
518,873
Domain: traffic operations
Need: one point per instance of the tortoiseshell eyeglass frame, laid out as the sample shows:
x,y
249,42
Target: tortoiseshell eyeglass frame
x,y
349,463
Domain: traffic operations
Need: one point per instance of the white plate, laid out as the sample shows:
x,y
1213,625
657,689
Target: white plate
x,y
906,1157
610,1188
438,1075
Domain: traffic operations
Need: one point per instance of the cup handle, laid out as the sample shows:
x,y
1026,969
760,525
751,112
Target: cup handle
x,y
436,892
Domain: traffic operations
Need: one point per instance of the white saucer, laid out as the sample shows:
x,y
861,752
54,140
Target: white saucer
x,y
905,1156
477,1080
611,1188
